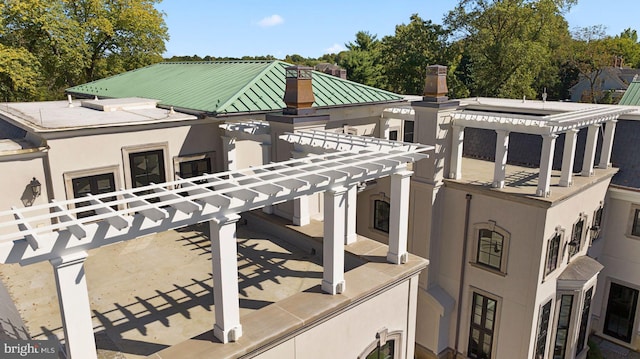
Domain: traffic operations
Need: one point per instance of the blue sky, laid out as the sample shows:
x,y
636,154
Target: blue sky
x,y
258,27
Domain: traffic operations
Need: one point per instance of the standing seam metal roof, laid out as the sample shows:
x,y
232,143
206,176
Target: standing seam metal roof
x,y
227,87
631,97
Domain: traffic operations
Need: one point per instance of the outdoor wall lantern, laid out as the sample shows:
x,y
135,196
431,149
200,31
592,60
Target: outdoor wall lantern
x,y
36,187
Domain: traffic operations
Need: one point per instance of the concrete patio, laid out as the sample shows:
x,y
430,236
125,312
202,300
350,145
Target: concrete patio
x,y
153,292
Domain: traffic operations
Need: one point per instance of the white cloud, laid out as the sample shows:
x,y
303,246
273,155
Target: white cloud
x,y
272,20
334,49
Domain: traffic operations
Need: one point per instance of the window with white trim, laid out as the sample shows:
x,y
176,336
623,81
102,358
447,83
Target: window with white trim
x,y
577,236
554,254
635,221
482,327
386,346
596,225
491,247
381,212
543,330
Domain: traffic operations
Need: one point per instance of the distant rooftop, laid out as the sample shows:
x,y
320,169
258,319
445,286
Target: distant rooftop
x,y
227,87
58,115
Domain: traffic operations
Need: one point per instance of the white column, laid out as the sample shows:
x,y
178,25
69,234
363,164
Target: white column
x,y
607,144
224,255
332,244
568,157
399,216
229,152
75,310
546,163
590,150
266,159
502,148
301,215
384,128
456,152
350,225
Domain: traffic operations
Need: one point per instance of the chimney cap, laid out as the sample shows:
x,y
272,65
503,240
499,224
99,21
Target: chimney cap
x,y
298,72
435,84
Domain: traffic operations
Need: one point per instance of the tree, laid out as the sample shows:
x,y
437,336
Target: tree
x,y
361,60
406,55
625,47
509,44
589,57
77,41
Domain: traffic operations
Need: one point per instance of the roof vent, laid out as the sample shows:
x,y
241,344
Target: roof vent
x,y
298,94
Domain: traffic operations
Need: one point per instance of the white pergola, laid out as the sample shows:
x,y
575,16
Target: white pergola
x,y
549,127
218,199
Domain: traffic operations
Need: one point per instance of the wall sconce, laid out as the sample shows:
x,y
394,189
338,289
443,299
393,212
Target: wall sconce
x,y
36,187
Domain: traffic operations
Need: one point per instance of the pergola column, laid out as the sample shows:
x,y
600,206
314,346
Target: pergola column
x,y
224,255
229,152
73,298
384,127
590,150
350,225
332,244
607,144
546,163
568,157
266,159
399,212
502,149
456,152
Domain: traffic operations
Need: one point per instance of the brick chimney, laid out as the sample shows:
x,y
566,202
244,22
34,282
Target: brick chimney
x,y
298,93
435,84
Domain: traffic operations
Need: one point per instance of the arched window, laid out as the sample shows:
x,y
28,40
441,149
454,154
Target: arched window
x,y
386,346
491,247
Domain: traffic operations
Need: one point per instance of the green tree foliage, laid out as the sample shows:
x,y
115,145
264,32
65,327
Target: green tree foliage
x,y
509,45
406,55
626,47
590,56
361,60
77,41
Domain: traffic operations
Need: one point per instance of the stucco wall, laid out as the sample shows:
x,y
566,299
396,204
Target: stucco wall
x,y
618,252
350,333
99,150
16,173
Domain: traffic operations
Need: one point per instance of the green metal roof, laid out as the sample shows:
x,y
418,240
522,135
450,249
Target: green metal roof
x,y
227,87
631,97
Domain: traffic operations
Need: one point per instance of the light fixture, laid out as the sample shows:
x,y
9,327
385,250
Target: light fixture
x,y
36,187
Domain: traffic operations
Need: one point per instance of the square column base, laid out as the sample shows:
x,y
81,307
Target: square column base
x,y
397,258
229,335
333,288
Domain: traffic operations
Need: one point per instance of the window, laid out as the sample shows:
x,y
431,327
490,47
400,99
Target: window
x,y
407,136
562,331
543,329
383,351
584,320
576,237
553,251
195,168
635,228
621,312
483,316
381,215
96,184
597,223
147,168
393,135
384,347
490,246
